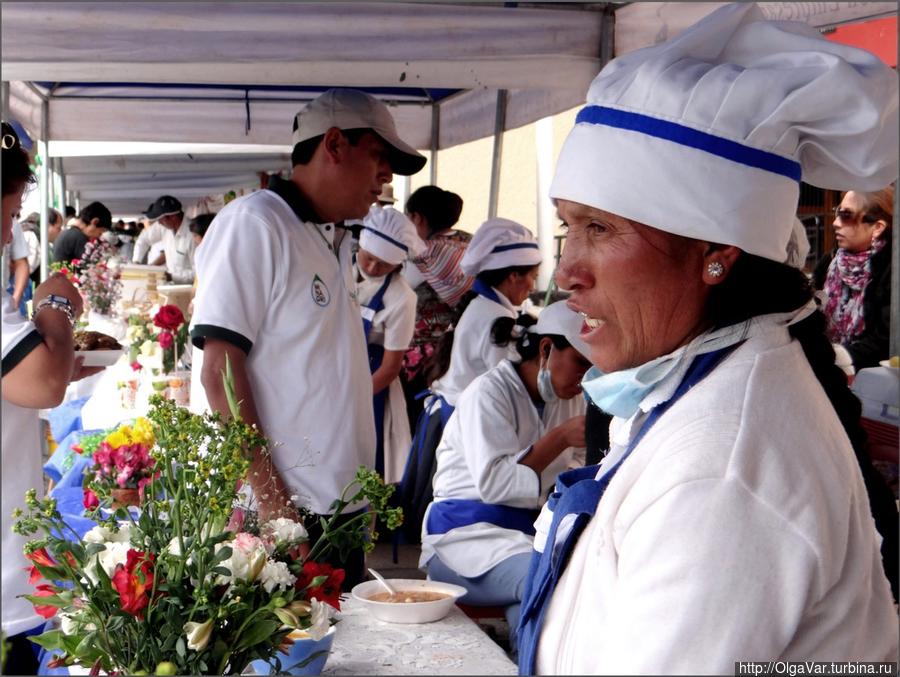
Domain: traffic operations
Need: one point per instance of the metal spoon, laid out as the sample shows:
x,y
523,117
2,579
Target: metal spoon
x,y
387,586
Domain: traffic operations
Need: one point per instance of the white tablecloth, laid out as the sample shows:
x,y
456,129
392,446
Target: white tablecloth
x,y
454,645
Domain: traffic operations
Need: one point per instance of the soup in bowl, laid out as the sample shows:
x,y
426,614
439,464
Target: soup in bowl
x,y
416,601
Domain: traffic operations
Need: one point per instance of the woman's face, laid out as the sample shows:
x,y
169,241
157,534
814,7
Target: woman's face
x,y
372,265
851,232
641,290
566,366
12,205
520,285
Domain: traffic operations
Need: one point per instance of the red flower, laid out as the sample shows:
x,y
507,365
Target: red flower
x,y
45,610
165,340
136,366
89,500
329,591
134,582
168,317
42,557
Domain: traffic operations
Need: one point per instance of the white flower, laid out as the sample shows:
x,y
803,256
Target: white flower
x,y
321,619
115,553
244,563
72,622
174,548
101,534
276,575
285,530
198,634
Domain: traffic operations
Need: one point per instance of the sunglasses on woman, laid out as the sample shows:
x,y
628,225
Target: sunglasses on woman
x,y
848,216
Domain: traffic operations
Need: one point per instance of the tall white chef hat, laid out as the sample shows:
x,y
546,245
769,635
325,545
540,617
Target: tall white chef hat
x,y
390,236
500,243
557,318
709,134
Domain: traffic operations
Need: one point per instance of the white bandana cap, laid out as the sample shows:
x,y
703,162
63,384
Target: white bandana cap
x,y
708,135
559,319
390,236
500,243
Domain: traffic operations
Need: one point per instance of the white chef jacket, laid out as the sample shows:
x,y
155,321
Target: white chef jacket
x,y
494,425
473,351
738,529
178,246
392,327
21,454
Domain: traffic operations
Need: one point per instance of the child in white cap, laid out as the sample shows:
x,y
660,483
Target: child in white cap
x,y
732,519
388,307
503,256
514,430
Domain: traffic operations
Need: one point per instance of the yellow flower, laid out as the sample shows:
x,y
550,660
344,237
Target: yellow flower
x,y
117,439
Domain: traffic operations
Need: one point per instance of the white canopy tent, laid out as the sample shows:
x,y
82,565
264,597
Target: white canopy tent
x,y
233,74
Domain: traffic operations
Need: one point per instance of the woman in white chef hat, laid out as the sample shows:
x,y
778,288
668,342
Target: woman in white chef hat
x,y
515,428
503,256
388,306
730,520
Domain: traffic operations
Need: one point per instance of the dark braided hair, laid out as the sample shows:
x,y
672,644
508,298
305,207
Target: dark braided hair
x,y
757,286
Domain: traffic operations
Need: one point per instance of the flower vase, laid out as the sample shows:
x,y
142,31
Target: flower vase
x,y
306,656
125,498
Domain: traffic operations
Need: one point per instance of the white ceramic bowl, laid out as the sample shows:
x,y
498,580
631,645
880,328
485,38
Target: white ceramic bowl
x,y
100,358
408,612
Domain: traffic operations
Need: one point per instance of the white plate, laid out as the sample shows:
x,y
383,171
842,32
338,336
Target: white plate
x,y
99,358
886,363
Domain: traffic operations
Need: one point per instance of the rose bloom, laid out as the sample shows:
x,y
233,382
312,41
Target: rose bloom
x,y
168,317
166,340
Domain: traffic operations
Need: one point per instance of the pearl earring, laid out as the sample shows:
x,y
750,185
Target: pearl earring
x,y
715,269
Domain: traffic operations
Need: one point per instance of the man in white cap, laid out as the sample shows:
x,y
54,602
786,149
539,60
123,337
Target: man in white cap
x,y
285,311
172,232
388,307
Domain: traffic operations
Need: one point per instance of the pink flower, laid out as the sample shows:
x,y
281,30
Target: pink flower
x,y
136,366
90,500
247,542
166,340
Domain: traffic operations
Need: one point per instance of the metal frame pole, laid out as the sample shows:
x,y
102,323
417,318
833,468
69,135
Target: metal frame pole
x,y
435,141
44,147
497,156
4,95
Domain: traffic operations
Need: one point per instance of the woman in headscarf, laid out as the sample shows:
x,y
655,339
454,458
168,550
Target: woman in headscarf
x,y
730,520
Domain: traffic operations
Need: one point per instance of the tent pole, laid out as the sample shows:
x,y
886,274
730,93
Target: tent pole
x,y
435,139
543,148
4,94
499,126
43,147
61,177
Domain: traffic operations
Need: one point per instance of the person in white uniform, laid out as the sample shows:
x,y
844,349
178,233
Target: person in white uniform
x,y
38,363
730,520
503,256
513,431
388,306
285,312
170,231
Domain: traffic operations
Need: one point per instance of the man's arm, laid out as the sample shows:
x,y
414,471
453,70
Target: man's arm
x,y
272,495
148,237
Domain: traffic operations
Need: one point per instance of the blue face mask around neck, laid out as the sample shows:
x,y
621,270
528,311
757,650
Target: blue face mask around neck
x,y
620,393
545,385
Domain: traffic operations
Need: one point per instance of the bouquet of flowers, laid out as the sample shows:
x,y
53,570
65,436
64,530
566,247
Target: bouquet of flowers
x,y
123,466
172,590
99,283
157,341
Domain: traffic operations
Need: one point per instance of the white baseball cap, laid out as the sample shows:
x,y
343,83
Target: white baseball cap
x,y
708,135
390,236
353,109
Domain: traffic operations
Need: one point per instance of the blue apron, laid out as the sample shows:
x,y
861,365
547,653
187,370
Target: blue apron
x,y
376,355
456,512
578,493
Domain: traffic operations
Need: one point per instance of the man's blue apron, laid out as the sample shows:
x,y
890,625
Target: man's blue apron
x,y
376,355
578,493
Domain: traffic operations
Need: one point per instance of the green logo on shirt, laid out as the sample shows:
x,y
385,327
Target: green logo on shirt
x,y
320,294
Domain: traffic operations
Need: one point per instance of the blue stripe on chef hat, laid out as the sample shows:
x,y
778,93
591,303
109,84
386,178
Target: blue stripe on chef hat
x,y
500,243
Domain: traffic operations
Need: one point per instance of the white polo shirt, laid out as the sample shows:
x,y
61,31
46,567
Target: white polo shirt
x,y
178,247
21,459
271,284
